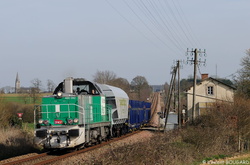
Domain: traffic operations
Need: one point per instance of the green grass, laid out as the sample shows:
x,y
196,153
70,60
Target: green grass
x,y
21,98
17,99
28,127
215,157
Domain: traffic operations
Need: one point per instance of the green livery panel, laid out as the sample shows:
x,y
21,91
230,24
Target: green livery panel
x,y
95,109
59,111
74,110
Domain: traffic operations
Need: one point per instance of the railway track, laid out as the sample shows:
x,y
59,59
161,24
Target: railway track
x,y
155,108
51,157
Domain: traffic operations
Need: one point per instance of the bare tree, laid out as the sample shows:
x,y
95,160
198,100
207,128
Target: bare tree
x,y
140,86
104,77
243,79
35,90
2,91
121,83
37,84
34,94
50,85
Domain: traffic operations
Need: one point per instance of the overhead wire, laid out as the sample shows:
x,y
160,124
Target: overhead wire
x,y
231,75
183,24
131,24
167,4
164,20
141,20
169,22
199,69
187,24
174,36
155,22
127,20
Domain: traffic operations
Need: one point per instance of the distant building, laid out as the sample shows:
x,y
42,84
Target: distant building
x,y
208,91
18,88
17,84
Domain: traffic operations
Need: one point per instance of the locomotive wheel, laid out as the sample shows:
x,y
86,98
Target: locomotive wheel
x,y
99,139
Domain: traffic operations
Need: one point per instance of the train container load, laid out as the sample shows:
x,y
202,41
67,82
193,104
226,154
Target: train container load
x,y
139,113
82,113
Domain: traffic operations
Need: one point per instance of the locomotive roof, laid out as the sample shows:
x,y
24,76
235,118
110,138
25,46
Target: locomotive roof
x,y
111,91
107,90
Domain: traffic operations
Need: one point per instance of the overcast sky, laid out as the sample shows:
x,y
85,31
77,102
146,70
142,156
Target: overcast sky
x,y
54,39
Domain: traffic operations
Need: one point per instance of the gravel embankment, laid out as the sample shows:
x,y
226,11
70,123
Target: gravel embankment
x,y
95,154
85,158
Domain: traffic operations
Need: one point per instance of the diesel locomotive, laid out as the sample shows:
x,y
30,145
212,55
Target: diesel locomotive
x,y
82,113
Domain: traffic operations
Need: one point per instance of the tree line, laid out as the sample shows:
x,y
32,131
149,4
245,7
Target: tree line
x,y
137,89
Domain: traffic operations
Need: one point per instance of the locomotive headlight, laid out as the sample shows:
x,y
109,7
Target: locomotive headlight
x,y
59,94
40,121
46,122
75,120
70,121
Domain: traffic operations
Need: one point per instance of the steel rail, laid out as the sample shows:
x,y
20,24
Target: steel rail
x,y
56,158
85,149
20,161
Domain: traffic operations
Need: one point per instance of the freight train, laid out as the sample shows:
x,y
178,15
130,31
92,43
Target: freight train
x,y
82,113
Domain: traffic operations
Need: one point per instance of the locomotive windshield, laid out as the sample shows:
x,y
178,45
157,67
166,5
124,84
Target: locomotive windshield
x,y
84,87
77,86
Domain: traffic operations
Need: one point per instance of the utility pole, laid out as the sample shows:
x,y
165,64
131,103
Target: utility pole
x,y
194,85
168,100
171,90
179,102
195,61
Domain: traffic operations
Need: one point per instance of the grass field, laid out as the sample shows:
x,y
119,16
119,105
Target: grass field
x,y
22,98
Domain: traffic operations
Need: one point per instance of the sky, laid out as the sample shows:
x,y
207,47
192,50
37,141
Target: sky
x,y
55,39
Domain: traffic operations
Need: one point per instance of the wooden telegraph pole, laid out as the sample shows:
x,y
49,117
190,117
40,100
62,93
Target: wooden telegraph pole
x,y
179,97
195,61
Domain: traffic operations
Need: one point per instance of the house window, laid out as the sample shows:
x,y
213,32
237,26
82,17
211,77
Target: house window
x,y
210,90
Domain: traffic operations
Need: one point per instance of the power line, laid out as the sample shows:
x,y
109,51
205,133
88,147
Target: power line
x,y
170,23
141,20
177,21
188,27
168,26
133,25
158,25
184,25
164,20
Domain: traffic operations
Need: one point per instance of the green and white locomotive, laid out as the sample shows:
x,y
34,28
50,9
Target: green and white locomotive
x,y
80,113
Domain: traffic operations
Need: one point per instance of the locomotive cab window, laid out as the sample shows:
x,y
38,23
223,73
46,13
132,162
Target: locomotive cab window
x,y
84,87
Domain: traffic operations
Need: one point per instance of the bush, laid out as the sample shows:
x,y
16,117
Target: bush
x,y
5,114
15,142
9,110
211,136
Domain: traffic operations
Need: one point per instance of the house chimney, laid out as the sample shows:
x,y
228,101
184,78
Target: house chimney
x,y
204,76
